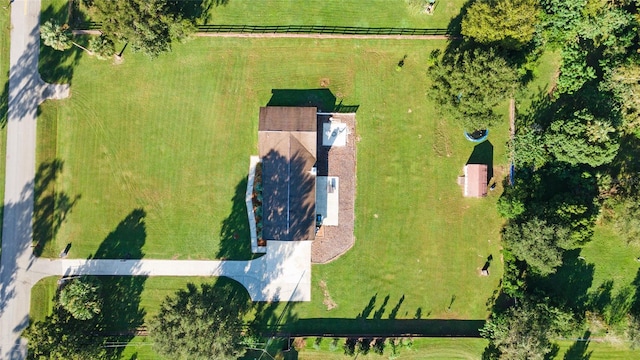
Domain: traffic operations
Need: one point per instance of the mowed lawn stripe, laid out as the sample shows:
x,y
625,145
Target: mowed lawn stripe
x,y
173,137
173,144
373,13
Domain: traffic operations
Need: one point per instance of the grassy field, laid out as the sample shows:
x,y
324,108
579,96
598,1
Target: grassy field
x,y
422,348
156,289
374,13
42,295
173,137
595,350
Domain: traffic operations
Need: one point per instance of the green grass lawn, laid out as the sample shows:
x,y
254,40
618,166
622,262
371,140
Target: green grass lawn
x,y
612,258
42,295
595,350
423,348
173,137
373,13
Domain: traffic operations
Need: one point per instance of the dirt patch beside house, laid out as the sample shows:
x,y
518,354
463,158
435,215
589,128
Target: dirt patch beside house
x,y
340,162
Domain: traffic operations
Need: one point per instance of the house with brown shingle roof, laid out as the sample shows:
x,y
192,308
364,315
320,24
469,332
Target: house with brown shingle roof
x,y
287,142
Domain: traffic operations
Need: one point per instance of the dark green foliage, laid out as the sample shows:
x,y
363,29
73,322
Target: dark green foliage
x,y
82,297
562,17
537,243
574,71
513,283
62,337
470,84
200,323
508,23
510,207
583,139
595,39
525,331
149,26
102,47
571,154
610,33
529,149
349,346
558,194
379,345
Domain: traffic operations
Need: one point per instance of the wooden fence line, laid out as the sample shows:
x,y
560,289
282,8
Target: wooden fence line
x,y
299,29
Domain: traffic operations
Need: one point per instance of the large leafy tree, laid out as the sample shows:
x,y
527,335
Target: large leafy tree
x,y
55,35
149,26
58,37
199,323
102,47
574,71
509,23
524,331
62,337
624,83
528,148
558,193
562,17
82,298
581,138
471,84
537,243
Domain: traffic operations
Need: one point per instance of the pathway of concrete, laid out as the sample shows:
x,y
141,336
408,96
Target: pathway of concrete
x,y
283,274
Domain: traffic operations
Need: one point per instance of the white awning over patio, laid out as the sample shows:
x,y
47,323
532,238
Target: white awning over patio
x,y
327,205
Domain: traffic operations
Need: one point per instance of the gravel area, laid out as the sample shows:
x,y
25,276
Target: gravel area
x,y
340,162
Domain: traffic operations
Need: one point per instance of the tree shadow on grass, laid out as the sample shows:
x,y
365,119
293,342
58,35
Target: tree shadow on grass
x,y
51,207
625,167
540,112
197,10
567,287
127,240
121,314
235,236
578,350
321,98
483,154
4,103
370,322
613,308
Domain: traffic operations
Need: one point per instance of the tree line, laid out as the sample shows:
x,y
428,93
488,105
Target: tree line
x,y
146,26
573,154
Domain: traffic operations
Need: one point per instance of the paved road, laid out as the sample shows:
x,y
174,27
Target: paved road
x,y
26,91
